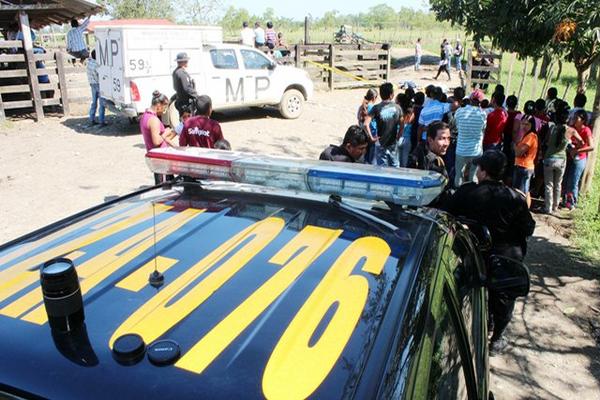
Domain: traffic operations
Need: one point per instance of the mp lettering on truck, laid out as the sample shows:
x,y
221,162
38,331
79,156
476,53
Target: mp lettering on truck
x,y
238,91
107,52
261,84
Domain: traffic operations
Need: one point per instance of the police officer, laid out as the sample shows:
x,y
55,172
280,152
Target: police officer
x,y
185,90
505,213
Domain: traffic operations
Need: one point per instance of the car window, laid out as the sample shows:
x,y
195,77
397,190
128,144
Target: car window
x,y
447,375
255,60
224,58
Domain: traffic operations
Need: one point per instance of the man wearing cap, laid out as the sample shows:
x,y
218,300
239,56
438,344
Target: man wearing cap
x,y
470,122
505,213
183,84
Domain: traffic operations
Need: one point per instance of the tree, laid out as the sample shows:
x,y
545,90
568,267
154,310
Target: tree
x,y
199,11
124,9
531,27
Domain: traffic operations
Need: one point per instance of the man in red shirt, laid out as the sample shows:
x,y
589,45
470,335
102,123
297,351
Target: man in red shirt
x,y
201,130
496,121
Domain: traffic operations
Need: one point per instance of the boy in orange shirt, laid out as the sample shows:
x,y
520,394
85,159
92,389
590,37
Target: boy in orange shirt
x,y
525,153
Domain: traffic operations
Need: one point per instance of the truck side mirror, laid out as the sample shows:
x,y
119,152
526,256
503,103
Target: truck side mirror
x,y
507,276
272,65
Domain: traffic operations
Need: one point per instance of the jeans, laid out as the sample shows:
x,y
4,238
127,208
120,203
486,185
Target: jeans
x,y
462,163
371,154
404,145
573,175
554,169
387,156
95,98
458,63
522,178
417,62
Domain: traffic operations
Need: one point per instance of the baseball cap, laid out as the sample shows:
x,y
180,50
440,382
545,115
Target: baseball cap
x,y
493,162
182,57
477,95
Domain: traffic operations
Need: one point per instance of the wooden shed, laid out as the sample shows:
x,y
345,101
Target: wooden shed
x,y
20,84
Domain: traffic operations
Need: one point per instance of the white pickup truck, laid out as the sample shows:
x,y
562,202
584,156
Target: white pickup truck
x,y
135,60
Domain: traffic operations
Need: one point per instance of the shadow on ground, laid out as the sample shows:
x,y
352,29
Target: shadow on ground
x,y
553,267
117,126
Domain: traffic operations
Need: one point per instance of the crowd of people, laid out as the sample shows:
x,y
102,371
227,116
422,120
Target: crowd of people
x,y
447,54
545,144
492,153
261,38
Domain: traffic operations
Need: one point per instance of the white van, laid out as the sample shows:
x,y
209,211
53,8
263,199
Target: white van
x,y
135,60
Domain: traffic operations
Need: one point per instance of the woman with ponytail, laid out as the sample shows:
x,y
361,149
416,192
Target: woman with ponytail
x,y
555,155
154,133
153,130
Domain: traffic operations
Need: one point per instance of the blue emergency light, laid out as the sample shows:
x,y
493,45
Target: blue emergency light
x,y
401,186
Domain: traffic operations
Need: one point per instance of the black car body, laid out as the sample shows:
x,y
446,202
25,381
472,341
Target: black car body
x,y
268,295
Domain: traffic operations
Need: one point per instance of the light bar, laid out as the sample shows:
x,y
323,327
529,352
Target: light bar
x,y
398,185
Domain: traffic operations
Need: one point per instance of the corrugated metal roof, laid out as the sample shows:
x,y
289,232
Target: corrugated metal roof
x,y
42,13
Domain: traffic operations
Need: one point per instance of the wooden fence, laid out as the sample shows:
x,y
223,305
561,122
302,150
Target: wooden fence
x,y
338,66
37,81
484,72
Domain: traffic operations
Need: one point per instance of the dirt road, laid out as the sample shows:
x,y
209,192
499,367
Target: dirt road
x,y
51,169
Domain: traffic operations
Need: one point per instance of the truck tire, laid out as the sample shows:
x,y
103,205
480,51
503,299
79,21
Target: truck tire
x,y
171,117
292,104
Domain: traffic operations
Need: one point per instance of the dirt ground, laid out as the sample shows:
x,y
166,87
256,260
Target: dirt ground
x,y
54,168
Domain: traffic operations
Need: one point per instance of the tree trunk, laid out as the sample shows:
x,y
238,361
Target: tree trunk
x,y
534,68
523,76
559,69
581,78
588,174
594,71
545,64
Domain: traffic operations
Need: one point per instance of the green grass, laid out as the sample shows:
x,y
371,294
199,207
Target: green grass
x,y
587,221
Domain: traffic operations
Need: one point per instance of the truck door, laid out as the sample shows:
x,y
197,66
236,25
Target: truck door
x,y
258,75
225,79
109,51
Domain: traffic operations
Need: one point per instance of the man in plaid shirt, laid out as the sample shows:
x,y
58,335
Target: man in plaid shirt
x,y
75,44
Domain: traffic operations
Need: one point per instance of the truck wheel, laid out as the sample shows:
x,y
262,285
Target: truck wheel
x,y
292,104
171,117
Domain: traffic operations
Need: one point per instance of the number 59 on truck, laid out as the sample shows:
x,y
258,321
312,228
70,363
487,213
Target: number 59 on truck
x,y
135,60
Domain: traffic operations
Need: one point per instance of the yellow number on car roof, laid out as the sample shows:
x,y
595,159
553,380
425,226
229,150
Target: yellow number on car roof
x,y
297,367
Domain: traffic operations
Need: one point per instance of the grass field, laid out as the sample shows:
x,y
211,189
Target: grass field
x,y
587,221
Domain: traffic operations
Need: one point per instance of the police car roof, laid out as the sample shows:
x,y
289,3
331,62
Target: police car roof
x,y
265,295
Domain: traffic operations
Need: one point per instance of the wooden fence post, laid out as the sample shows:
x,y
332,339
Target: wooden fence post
x,y
296,57
523,76
306,34
469,69
331,65
32,71
2,114
510,72
535,82
62,81
388,65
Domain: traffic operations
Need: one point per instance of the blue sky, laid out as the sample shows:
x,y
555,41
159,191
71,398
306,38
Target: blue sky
x,y
298,9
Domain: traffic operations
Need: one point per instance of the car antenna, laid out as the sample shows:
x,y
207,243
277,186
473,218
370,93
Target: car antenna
x,y
156,278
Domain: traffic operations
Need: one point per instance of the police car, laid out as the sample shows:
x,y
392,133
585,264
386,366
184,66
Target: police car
x,y
249,277
135,60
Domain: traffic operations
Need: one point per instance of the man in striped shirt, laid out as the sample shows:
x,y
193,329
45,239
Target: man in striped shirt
x,y
470,122
75,44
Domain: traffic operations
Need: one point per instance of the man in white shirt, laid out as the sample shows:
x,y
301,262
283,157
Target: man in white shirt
x,y
247,35
418,54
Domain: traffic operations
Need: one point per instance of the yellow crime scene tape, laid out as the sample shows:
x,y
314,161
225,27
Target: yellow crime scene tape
x,y
339,71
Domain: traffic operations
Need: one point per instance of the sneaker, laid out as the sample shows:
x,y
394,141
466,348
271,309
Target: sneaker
x,y
497,346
